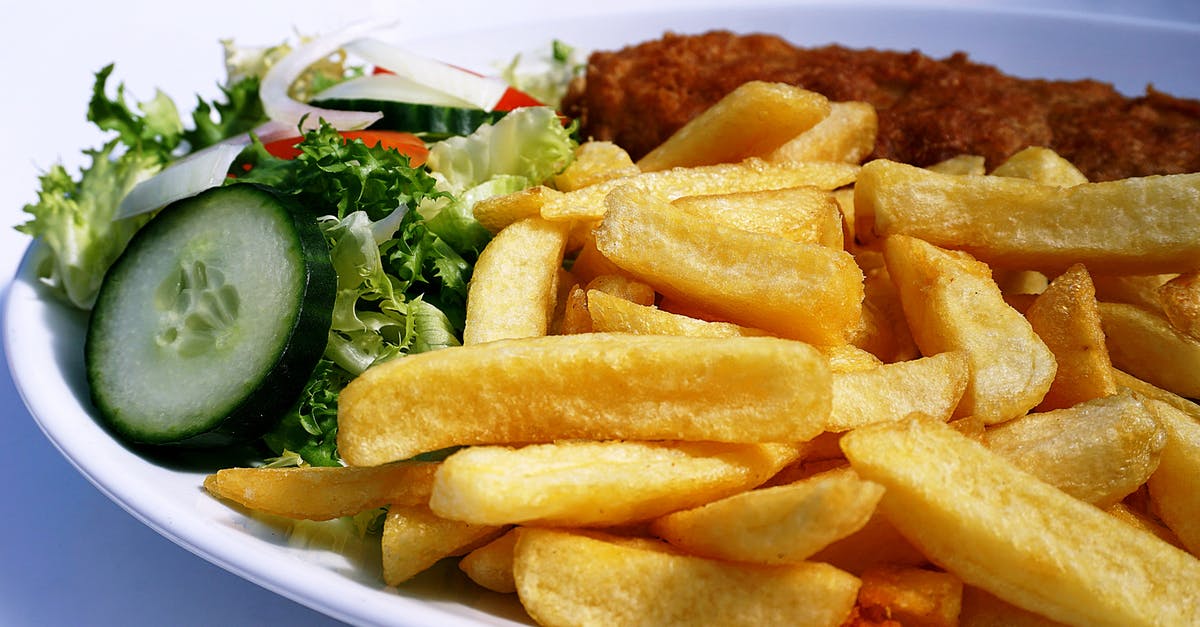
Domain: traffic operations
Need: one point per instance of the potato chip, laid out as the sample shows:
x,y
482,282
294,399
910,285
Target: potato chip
x,y
1180,299
597,484
776,525
1042,165
514,285
846,134
491,565
595,162
497,212
960,165
800,214
1175,484
999,528
801,291
1098,451
323,492
951,303
1147,346
618,315
566,578
1130,226
592,386
910,596
414,539
1067,318
1135,289
753,120
744,176
932,385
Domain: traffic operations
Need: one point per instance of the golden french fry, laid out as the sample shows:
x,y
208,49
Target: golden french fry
x,y
881,295
617,315
1175,485
491,565
1098,451
596,484
846,134
414,539
323,492
1180,298
932,385
911,596
1020,281
845,201
725,178
1148,390
1042,165
849,358
751,121
1145,345
1131,226
595,162
999,528
589,264
566,578
799,214
576,318
1067,318
497,212
960,165
591,386
783,524
801,291
951,303
513,288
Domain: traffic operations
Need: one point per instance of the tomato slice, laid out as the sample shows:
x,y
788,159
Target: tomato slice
x,y
404,143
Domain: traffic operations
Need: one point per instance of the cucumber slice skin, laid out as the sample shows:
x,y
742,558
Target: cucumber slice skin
x,y
432,121
266,393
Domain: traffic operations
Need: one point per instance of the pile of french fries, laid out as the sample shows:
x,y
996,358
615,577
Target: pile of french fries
x,y
750,379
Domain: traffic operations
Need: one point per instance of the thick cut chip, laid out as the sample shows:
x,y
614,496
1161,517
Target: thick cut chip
x,y
593,484
751,121
588,386
724,178
1041,165
1180,298
1098,451
1067,318
575,317
778,525
491,565
846,134
595,162
881,295
1149,390
799,214
1144,521
999,528
952,304
618,315
1146,345
1130,226
1175,485
415,538
623,287
1135,289
980,608
568,578
801,291
497,212
960,165
931,385
514,286
323,493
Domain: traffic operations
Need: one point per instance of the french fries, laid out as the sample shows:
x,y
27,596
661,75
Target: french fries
x,y
566,578
1023,224
786,388
590,386
999,528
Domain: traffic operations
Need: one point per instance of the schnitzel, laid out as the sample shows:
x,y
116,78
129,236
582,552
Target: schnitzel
x,y
929,109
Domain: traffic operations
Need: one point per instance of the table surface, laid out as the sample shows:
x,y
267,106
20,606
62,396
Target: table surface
x,y
68,555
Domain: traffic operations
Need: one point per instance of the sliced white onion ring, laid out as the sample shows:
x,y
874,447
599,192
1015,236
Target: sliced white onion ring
x,y
194,173
281,107
480,91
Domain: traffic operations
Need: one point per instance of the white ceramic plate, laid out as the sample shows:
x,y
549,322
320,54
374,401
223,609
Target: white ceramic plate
x,y
44,339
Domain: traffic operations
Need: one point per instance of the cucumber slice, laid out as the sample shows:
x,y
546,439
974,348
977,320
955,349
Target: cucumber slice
x,y
208,326
429,120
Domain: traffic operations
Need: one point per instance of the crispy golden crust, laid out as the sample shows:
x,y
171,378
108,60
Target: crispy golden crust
x,y
929,109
